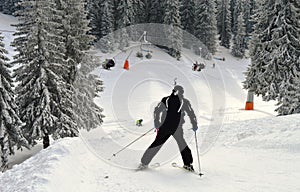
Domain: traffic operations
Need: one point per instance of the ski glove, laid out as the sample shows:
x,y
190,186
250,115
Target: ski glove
x,y
156,130
195,128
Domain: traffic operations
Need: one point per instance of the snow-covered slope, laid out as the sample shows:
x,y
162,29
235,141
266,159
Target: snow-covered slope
x,y
256,155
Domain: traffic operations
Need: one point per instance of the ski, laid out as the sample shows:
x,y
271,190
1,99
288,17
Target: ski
x,y
152,166
179,167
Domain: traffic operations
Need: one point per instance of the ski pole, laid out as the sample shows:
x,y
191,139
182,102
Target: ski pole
x,y
131,143
198,155
129,55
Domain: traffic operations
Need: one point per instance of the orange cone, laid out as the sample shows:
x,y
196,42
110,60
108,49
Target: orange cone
x,y
126,65
249,106
250,101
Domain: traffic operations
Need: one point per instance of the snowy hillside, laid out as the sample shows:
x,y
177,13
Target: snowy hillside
x,y
240,150
257,155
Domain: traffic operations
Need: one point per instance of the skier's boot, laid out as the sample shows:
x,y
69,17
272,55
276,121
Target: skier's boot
x,y
189,168
142,166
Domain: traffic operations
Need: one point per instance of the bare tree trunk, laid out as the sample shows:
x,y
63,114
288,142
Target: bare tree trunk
x,y
46,141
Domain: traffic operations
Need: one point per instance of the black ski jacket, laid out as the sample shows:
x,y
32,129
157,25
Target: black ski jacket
x,y
170,112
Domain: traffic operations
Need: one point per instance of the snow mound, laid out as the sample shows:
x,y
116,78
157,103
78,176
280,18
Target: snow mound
x,y
269,133
32,174
67,165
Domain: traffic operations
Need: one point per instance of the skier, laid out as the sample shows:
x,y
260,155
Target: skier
x,y
168,120
139,122
195,66
198,66
108,63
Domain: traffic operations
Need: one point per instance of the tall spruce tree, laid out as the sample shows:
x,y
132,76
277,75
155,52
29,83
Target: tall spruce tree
x,y
101,15
289,90
205,24
224,23
40,89
74,31
249,7
9,6
188,15
10,132
157,11
239,39
187,11
1,5
43,94
147,9
126,13
126,18
87,86
275,52
139,8
233,15
103,27
115,12
173,30
76,40
289,98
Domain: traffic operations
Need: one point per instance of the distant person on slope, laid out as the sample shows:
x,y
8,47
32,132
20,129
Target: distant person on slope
x,y
168,119
139,122
108,63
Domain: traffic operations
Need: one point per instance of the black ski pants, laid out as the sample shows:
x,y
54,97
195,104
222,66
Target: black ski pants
x,y
160,139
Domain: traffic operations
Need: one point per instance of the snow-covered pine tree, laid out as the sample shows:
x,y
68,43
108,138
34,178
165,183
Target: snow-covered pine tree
x,y
224,23
9,6
233,15
116,15
188,15
289,94
43,96
88,5
126,17
77,41
75,34
147,9
1,5
289,98
10,132
187,11
106,43
101,15
126,13
239,39
139,9
157,11
95,15
173,30
206,24
275,52
249,7
87,85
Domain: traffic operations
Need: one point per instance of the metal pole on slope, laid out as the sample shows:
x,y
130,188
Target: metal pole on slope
x,y
198,155
129,55
130,143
